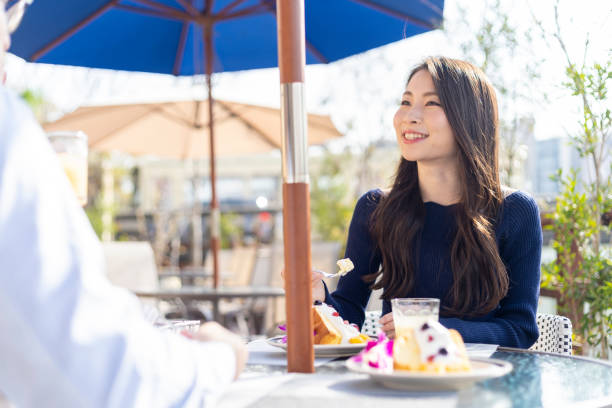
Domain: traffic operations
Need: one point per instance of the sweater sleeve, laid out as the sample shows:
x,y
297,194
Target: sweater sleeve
x,y
352,294
513,322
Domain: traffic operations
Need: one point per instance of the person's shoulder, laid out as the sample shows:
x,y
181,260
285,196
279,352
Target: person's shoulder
x,y
369,201
15,116
519,207
371,197
11,103
518,200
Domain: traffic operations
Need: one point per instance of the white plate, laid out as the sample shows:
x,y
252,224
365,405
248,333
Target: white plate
x,y
324,350
482,369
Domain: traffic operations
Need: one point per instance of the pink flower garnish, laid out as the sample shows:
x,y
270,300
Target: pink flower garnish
x,y
370,345
282,327
390,348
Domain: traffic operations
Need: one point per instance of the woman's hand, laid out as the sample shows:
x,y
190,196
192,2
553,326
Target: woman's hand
x,y
387,325
318,290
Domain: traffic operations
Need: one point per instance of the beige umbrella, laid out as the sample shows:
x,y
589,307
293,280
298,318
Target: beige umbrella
x,y
180,129
177,130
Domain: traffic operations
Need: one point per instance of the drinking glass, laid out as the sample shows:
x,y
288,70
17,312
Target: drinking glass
x,y
409,313
71,149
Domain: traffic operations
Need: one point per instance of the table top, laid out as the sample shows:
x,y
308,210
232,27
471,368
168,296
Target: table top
x,y
537,380
208,293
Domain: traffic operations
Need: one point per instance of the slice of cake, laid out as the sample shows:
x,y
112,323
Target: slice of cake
x,y
430,347
330,328
345,265
377,354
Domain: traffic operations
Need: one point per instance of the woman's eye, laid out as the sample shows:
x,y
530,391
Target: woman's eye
x,y
433,103
405,103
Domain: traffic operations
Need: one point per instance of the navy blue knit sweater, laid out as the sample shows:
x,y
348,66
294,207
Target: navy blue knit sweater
x,y
519,239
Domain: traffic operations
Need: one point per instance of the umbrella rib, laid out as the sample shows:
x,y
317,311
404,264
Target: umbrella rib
x,y
112,132
176,118
44,50
315,51
178,59
189,8
246,122
229,7
256,9
174,15
395,13
432,6
208,6
157,6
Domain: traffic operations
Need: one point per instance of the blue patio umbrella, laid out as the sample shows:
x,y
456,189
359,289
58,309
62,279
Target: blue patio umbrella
x,y
172,36
190,37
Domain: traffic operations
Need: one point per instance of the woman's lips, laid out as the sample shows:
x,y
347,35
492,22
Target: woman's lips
x,y
413,137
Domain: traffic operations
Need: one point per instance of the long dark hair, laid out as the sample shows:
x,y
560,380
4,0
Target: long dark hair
x,y
480,279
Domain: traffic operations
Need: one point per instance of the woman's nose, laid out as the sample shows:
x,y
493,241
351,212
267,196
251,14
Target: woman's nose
x,y
413,115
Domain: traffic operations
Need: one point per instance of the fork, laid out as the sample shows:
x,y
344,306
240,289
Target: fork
x,y
327,274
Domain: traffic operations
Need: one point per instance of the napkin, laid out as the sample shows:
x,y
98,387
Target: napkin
x,y
480,350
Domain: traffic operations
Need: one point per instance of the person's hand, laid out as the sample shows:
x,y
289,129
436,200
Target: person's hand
x,y
387,325
318,290
213,331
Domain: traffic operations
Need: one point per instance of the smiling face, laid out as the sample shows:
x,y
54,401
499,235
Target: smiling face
x,y
421,126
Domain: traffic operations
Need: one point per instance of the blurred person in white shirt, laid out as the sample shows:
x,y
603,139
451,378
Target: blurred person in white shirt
x,y
68,338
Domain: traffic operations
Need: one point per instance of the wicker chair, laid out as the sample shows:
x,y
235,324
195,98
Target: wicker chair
x,y
555,332
370,324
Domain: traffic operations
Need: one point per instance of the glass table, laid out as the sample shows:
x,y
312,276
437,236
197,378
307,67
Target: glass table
x,y
537,380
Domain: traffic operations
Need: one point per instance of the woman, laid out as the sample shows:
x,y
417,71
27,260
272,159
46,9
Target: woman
x,y
446,229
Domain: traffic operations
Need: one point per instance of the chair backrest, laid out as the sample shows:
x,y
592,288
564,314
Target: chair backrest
x,y
235,265
555,334
240,268
555,331
370,324
131,265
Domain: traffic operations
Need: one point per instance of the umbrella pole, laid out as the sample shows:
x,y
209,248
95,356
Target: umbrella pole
x,y
296,197
215,214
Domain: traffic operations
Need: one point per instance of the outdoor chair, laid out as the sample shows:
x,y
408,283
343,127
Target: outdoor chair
x,y
555,332
238,272
370,324
131,265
